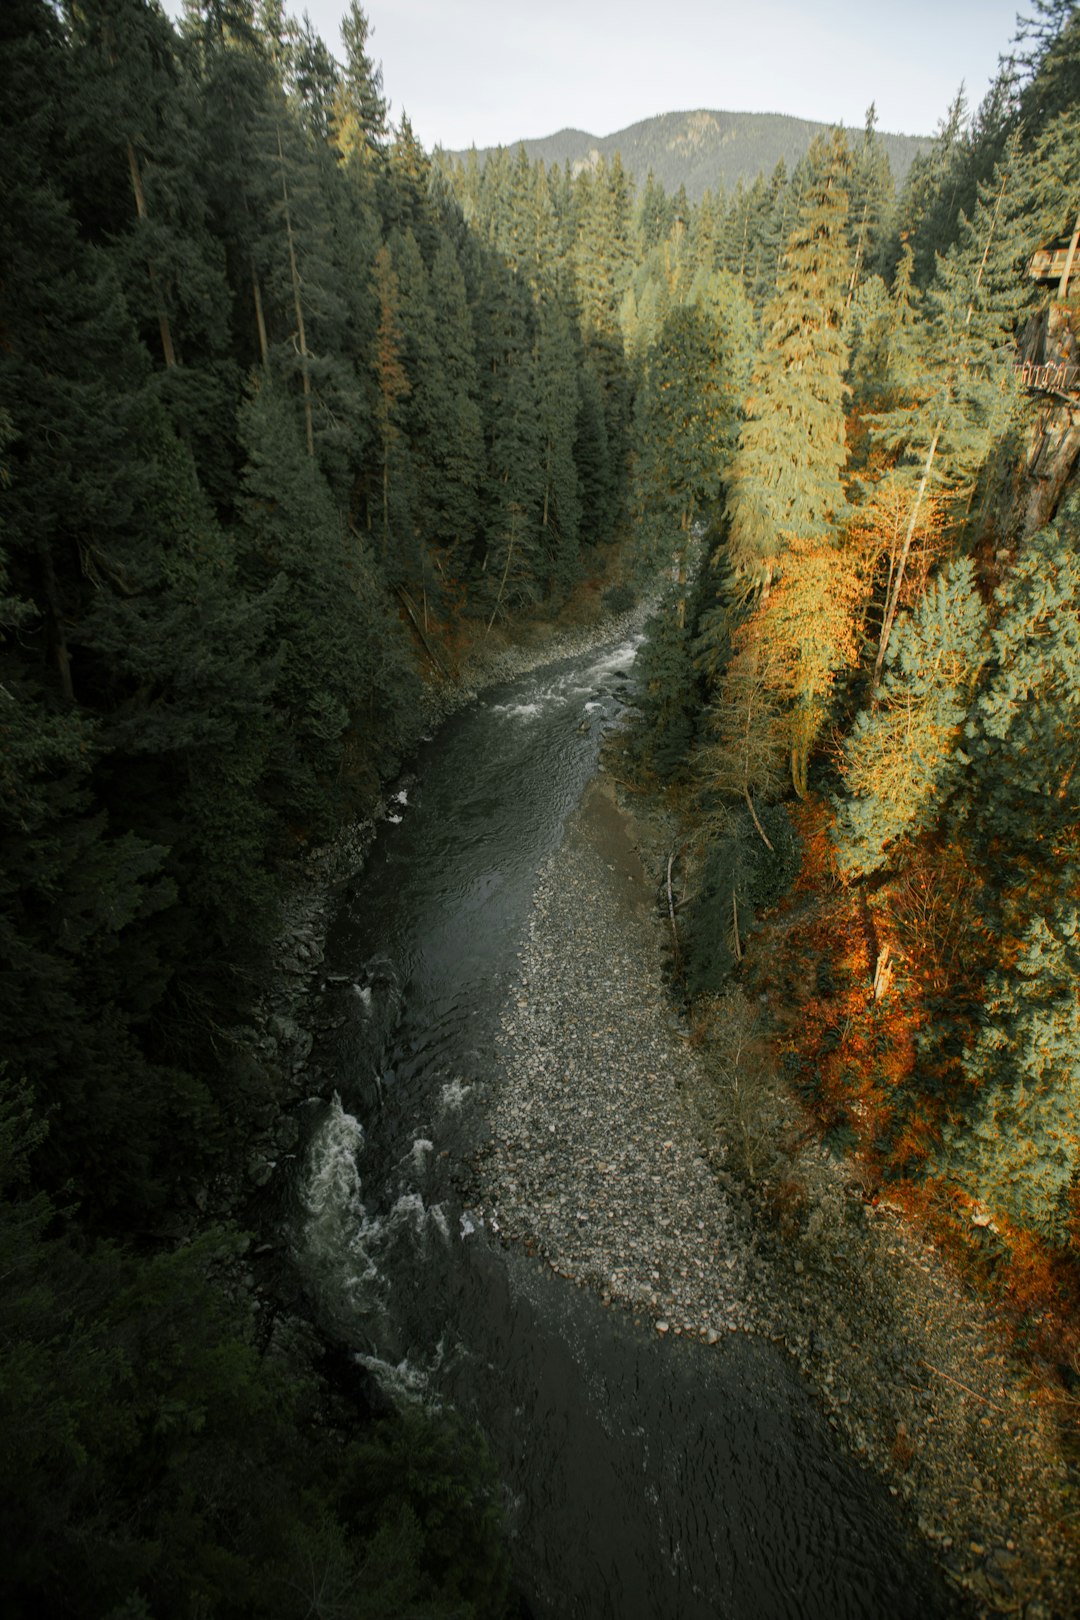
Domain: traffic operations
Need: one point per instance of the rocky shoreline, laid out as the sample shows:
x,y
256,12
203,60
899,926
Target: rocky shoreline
x,y
620,1152
625,1155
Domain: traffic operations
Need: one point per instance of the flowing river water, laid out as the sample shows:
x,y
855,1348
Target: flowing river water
x,y
644,1478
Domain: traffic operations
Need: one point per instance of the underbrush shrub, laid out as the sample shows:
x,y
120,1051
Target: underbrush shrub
x,y
619,598
736,863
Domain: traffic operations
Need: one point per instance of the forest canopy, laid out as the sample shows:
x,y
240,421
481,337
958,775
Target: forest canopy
x,y
289,407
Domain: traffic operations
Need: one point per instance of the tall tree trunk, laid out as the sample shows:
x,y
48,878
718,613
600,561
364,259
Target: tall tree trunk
x,y
159,303
753,812
55,620
1063,284
506,570
854,281
260,320
894,595
297,303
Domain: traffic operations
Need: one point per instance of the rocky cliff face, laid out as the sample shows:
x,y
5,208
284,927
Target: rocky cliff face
x,y
1049,370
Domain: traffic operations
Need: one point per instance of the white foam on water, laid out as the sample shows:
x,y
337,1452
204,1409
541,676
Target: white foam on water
x,y
618,659
334,1183
419,1152
519,711
403,1382
453,1094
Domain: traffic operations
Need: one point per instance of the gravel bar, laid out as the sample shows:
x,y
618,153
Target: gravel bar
x,y
607,1157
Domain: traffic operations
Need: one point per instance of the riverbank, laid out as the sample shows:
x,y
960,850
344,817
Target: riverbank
x,y
286,1017
625,1155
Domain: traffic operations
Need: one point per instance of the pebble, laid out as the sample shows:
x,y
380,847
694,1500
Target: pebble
x,y
622,1197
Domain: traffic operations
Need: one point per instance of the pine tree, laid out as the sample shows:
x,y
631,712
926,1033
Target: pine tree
x,y
930,193
602,265
747,730
903,757
458,446
360,112
554,367
810,621
655,216
962,385
391,502
135,158
594,457
665,694
342,685
706,232
683,421
510,563
1018,1149
870,203
786,474
1024,795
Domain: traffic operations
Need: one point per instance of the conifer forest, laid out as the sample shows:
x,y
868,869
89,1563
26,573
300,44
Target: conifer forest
x,y
294,417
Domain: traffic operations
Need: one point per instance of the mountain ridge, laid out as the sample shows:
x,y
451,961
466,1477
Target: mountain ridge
x,y
703,148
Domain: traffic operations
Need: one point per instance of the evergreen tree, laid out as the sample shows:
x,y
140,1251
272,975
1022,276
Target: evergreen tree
x,y
360,113
602,265
655,216
391,501
809,622
555,367
1018,1149
747,733
683,420
1021,737
510,564
458,441
962,384
343,686
786,474
594,459
665,689
870,203
902,758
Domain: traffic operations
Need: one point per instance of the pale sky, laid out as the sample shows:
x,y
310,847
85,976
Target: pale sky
x,y
492,72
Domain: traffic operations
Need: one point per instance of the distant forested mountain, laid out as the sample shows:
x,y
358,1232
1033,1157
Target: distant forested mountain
x,y
704,150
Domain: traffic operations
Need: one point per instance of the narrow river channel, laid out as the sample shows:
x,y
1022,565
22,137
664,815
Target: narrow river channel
x,y
644,1479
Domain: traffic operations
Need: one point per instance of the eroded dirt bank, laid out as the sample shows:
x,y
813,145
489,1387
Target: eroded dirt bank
x,y
620,1152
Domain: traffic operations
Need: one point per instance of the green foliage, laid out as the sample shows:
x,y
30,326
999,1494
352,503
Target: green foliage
x,y
785,478
687,414
152,1461
1022,730
738,867
664,692
1018,1148
619,598
432,1477
902,758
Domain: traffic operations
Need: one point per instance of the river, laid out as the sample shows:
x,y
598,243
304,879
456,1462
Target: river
x,y
644,1478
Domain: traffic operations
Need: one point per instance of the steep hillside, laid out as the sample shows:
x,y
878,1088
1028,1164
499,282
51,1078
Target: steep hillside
x,y
704,150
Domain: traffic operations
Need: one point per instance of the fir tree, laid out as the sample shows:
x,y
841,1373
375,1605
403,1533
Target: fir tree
x,y
1018,1149
786,474
903,757
960,371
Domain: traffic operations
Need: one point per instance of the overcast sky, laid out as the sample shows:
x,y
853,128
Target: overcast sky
x,y
492,72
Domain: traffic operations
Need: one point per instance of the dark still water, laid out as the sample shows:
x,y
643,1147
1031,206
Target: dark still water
x,y
644,1479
